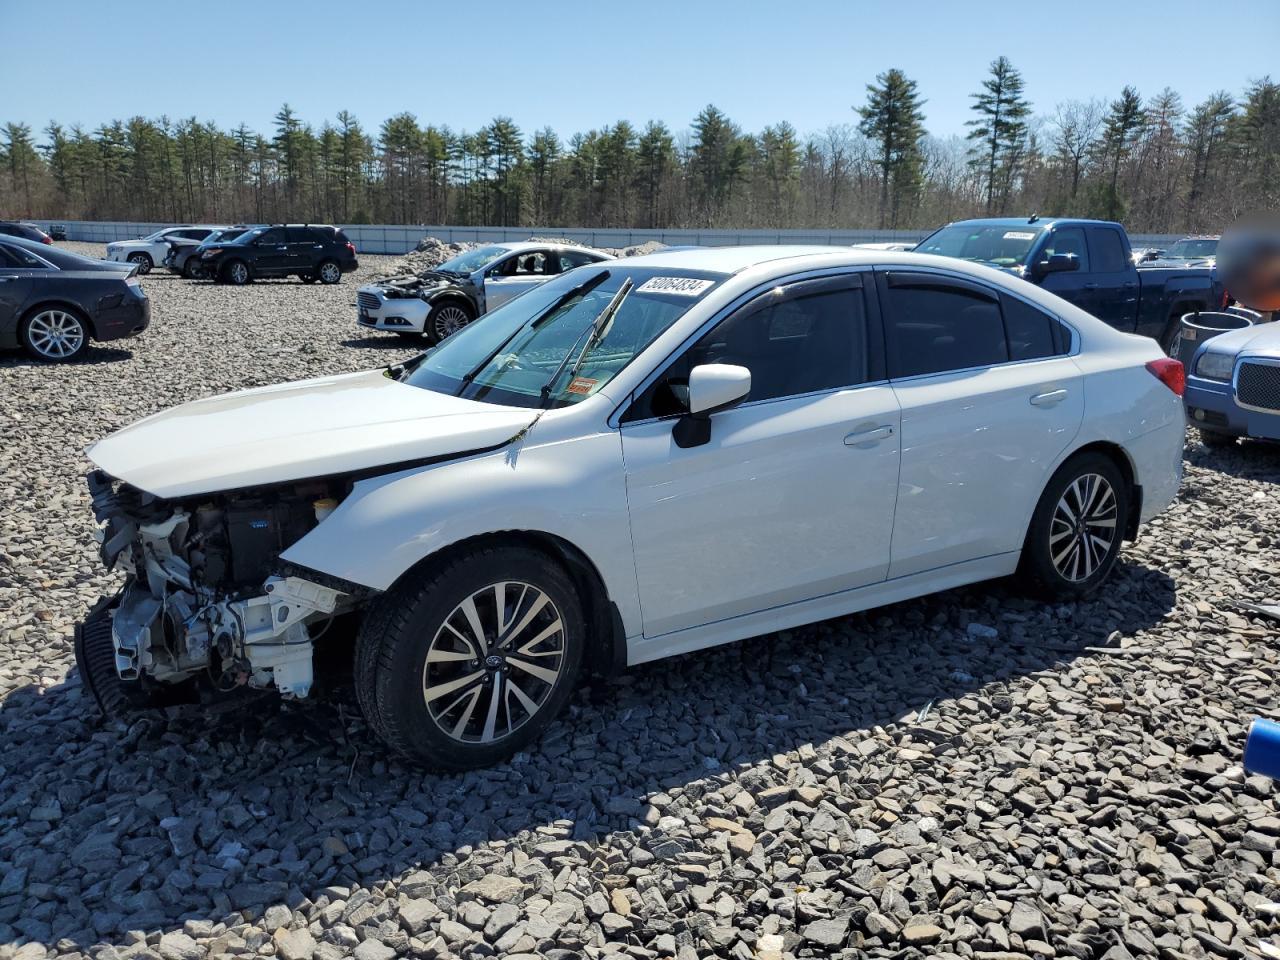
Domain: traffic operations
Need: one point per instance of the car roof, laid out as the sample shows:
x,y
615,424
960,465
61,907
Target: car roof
x,y
1028,222
518,246
729,260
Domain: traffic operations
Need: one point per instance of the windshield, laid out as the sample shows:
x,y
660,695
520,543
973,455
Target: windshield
x,y
511,354
222,236
472,260
1004,246
1192,250
159,234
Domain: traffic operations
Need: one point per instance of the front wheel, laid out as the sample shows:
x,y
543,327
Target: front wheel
x,y
237,273
1076,530
446,319
191,269
472,659
142,261
329,272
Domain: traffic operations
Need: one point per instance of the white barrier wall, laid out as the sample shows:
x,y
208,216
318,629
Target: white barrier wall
x,y
400,238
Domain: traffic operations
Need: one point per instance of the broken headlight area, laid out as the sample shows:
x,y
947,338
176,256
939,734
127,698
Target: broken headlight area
x,y
206,594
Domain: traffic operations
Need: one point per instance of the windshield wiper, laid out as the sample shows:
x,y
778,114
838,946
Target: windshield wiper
x,y
597,328
580,290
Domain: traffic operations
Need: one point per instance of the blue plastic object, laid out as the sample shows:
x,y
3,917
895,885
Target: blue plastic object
x,y
1262,749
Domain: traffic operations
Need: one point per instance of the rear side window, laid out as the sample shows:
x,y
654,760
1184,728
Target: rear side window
x,y
1108,251
934,326
1032,333
574,258
19,259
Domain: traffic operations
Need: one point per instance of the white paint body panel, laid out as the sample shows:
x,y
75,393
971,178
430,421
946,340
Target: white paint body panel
x,y
295,431
120,250
781,519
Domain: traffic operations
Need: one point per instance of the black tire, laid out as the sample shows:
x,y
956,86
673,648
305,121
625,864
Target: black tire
x,y
191,269
54,334
143,261
445,318
329,272
236,273
409,622
1216,439
1048,548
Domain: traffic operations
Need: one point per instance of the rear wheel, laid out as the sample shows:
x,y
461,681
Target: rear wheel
x,y
473,658
1077,528
445,319
55,334
142,261
330,272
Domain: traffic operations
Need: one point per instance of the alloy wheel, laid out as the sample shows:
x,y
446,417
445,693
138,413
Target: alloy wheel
x,y
1083,528
142,261
450,320
493,662
55,334
239,273
330,273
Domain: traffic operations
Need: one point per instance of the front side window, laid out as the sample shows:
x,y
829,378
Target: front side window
x,y
934,326
1069,241
1108,251
806,338
267,237
546,348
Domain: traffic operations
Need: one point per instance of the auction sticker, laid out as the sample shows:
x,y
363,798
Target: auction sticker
x,y
1015,235
680,286
582,384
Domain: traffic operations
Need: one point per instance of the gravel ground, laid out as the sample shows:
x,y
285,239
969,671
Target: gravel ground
x,y
969,775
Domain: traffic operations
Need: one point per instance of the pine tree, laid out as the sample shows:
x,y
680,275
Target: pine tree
x,y
893,121
1000,127
1120,132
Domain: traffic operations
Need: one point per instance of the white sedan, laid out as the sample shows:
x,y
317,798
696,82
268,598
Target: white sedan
x,y
638,459
152,249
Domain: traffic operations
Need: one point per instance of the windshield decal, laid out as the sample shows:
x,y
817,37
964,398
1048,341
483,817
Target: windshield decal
x,y
1015,235
583,385
681,286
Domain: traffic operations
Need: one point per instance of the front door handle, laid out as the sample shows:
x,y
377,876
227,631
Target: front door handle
x,y
1091,286
1048,399
874,435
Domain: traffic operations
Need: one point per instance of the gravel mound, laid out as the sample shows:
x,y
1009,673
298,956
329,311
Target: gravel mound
x,y
971,775
432,251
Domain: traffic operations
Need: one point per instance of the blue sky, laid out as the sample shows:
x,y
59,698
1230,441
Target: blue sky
x,y
539,62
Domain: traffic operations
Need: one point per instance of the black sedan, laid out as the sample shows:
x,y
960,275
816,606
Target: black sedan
x,y
27,231
52,303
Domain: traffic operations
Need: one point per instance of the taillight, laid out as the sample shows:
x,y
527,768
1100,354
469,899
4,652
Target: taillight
x,y
47,240
352,247
1171,373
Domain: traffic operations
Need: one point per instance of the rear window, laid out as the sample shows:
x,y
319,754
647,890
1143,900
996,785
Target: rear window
x,y
1108,251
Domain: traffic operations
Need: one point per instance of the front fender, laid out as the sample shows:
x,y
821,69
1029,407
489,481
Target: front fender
x,y
574,490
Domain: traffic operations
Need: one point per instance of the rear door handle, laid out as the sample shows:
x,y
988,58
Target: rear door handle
x,y
1091,286
1049,398
874,435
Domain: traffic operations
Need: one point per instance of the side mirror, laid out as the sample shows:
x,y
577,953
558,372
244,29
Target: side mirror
x,y
712,387
1058,263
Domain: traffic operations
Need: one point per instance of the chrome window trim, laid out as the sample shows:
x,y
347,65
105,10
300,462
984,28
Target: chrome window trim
x,y
1235,382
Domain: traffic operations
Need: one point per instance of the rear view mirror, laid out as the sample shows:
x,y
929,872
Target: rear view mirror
x,y
712,387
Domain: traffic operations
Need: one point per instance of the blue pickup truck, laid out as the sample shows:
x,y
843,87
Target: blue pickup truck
x,y
1087,262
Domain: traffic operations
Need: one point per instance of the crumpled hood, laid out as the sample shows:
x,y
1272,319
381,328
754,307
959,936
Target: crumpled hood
x,y
294,431
1261,339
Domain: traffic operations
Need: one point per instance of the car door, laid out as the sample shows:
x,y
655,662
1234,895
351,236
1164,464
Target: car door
x,y
15,289
271,254
793,495
514,275
305,248
990,399
1115,278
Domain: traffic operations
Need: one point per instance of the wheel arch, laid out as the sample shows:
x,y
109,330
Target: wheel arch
x,y
606,648
454,296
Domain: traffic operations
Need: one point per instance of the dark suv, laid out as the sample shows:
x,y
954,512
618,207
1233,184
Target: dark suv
x,y
284,249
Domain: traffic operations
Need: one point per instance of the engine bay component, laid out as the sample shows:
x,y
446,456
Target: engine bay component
x,y
202,597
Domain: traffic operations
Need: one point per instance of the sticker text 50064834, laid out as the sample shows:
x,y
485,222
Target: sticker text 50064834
x,y
680,286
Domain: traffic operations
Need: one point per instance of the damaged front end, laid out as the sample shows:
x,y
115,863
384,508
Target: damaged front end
x,y
206,595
